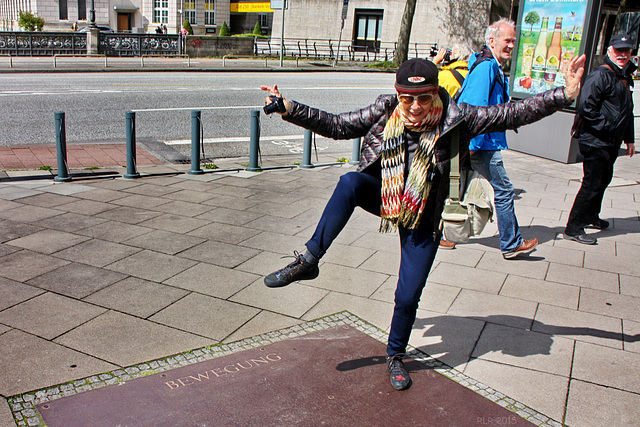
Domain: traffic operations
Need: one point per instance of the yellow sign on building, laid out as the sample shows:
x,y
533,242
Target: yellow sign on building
x,y
263,6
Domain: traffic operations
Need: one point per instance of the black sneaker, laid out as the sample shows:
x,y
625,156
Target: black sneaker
x,y
580,237
400,379
300,269
598,223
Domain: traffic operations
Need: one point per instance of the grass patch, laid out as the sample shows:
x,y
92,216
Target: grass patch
x,y
210,166
44,168
343,160
383,65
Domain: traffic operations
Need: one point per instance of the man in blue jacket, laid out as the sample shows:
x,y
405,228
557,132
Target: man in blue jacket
x,y
486,84
605,113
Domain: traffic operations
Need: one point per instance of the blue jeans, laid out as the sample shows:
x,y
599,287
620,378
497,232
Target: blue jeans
x,y
489,164
417,249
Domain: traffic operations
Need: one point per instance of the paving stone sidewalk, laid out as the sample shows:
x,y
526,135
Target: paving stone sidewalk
x,y
104,273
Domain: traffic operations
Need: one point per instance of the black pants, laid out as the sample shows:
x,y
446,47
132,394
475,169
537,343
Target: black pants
x,y
598,172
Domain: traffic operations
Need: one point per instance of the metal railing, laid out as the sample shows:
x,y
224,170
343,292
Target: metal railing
x,y
38,43
327,49
131,44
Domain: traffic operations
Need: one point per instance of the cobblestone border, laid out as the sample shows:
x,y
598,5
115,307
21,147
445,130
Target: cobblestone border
x,y
25,413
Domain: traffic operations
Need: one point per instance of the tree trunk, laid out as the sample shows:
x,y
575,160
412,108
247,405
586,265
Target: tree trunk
x,y
405,32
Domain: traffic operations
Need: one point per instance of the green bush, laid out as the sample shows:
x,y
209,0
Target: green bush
x,y
187,26
224,31
257,30
30,22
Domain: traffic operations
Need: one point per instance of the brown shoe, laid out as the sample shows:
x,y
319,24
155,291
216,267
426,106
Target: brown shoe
x,y
445,244
526,247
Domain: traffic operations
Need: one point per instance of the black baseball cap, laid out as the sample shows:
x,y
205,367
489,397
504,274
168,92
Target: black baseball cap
x,y
416,75
621,41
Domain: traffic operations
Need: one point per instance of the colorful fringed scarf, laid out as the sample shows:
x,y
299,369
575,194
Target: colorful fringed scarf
x,y
402,204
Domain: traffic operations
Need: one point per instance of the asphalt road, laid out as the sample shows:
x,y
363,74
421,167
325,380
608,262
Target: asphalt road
x,y
95,105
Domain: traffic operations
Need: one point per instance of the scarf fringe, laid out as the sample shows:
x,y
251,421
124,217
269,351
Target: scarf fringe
x,y
403,204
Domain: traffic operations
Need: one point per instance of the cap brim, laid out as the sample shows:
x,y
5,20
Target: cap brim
x,y
415,89
623,46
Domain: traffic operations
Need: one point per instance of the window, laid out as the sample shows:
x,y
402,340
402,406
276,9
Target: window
x,y
368,31
190,11
63,12
264,20
161,11
82,10
209,12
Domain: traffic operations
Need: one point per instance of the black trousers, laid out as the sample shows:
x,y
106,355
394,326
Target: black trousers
x,y
598,172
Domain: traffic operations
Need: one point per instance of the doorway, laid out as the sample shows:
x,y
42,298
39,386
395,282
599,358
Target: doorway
x,y
124,22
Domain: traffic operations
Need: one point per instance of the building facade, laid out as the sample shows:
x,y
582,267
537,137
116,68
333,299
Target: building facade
x,y
366,22
361,24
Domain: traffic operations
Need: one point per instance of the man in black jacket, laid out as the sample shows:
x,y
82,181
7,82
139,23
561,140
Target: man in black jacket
x,y
605,120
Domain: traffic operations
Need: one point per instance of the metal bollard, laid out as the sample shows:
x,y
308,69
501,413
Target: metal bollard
x,y
61,148
195,143
131,145
306,150
355,154
254,144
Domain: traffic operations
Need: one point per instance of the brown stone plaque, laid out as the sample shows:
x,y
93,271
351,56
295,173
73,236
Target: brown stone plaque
x,y
335,377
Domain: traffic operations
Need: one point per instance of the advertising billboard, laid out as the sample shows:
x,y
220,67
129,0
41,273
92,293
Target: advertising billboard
x,y
551,33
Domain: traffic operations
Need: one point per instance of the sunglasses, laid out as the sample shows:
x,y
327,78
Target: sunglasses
x,y
423,99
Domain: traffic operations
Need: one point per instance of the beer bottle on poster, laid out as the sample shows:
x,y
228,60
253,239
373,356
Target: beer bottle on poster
x,y
554,53
540,52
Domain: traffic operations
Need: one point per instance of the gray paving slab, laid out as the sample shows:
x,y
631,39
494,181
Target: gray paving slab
x,y
213,280
47,241
294,300
151,265
542,291
597,405
29,213
448,338
218,253
56,364
457,275
526,349
76,280
162,241
96,252
131,296
47,200
10,230
607,366
225,233
49,315
6,416
129,214
210,317
7,249
114,231
229,216
127,340
577,325
24,265
544,391
494,308
70,222
15,292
